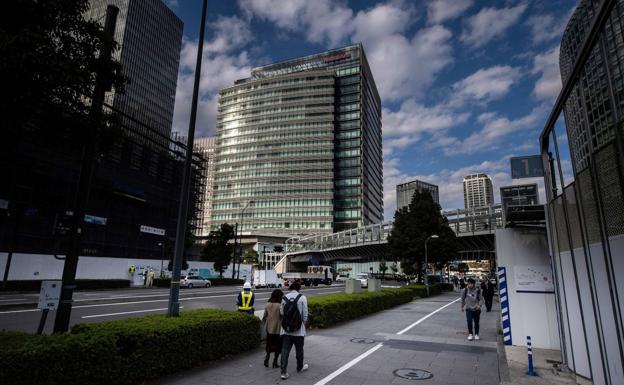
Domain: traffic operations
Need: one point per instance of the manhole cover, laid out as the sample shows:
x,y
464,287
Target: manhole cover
x,y
413,374
363,340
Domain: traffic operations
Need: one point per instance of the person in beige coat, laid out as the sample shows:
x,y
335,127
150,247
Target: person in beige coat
x,y
272,322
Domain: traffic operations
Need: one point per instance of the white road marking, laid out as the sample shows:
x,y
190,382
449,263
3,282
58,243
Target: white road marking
x,y
159,300
126,312
370,351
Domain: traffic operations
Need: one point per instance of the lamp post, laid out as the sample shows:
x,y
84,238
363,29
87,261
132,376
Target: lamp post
x,y
433,236
240,239
162,258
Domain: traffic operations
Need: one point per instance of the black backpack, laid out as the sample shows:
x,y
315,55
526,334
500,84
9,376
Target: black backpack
x,y
291,320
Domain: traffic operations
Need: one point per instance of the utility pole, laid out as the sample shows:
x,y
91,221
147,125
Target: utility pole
x,y
434,236
63,314
174,291
234,252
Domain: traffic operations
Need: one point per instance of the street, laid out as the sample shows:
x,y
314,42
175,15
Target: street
x,y
19,311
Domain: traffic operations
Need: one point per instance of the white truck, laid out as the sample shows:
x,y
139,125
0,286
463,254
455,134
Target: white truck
x,y
316,275
266,278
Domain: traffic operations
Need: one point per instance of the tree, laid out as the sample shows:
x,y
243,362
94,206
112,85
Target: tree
x,y
50,60
413,225
185,264
383,267
218,248
394,267
250,257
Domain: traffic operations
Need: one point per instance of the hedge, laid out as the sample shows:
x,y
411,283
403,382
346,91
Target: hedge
x,y
166,282
82,284
130,351
327,310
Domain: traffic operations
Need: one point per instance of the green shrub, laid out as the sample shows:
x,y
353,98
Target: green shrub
x,y
81,284
128,351
331,309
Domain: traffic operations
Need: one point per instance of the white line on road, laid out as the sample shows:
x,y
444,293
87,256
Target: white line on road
x,y
370,351
427,316
126,312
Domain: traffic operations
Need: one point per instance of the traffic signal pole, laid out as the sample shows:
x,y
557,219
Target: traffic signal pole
x,y
174,291
63,314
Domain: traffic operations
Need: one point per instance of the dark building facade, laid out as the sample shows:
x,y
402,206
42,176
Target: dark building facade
x,y
405,191
519,195
300,142
150,39
586,208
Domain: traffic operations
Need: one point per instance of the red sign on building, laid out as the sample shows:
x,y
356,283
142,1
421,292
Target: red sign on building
x,y
338,56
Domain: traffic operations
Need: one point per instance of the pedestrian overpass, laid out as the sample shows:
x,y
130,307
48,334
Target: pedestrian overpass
x,y
474,229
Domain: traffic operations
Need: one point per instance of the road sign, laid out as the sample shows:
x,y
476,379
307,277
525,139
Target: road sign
x,y
152,230
50,294
527,167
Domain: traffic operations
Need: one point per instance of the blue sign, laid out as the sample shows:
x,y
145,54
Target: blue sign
x,y
527,167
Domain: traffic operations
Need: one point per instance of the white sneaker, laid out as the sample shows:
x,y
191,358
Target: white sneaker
x,y
304,368
469,337
285,376
477,337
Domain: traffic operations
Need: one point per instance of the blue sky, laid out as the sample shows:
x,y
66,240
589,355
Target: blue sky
x,y
465,84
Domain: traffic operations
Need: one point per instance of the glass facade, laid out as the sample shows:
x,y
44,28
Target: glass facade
x,y
301,141
150,36
405,192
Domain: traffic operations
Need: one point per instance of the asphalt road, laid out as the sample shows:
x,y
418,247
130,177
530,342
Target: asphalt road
x,y
19,312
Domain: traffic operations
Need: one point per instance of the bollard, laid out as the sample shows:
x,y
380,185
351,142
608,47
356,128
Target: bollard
x,y
531,372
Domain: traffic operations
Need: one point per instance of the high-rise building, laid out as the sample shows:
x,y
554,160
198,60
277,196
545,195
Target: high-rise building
x,y
150,38
299,145
519,195
478,191
405,191
205,147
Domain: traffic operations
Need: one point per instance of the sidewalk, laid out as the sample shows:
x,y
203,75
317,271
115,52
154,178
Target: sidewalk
x,y
412,340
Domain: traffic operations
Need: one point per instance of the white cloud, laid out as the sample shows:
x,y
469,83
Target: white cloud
x,y
547,27
546,64
220,69
490,23
439,11
486,84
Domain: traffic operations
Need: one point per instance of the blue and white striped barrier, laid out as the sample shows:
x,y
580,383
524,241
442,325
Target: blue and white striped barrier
x,y
504,302
530,372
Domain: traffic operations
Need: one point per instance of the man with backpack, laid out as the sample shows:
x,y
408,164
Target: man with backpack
x,y
472,300
294,312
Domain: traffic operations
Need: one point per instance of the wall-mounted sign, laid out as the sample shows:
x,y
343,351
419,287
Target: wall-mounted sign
x,y
95,220
533,279
527,167
338,56
152,230
49,295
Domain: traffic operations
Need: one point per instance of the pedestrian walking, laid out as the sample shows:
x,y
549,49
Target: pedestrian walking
x,y
462,283
487,288
272,325
472,300
455,282
245,299
151,278
294,312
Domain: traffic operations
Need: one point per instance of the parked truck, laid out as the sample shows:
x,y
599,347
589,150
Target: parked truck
x,y
316,275
266,278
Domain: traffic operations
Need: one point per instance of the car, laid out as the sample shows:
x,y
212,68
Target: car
x,y
192,281
363,278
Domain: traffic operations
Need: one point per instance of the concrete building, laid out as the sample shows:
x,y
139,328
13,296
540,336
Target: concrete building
x,y
405,191
150,38
586,209
478,191
519,195
205,147
298,147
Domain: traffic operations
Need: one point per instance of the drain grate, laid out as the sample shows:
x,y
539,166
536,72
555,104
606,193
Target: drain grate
x,y
363,340
413,374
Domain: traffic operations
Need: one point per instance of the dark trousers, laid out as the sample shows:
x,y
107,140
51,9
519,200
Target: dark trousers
x,y
287,344
488,302
473,316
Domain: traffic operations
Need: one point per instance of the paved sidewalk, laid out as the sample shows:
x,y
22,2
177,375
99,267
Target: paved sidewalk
x,y
370,350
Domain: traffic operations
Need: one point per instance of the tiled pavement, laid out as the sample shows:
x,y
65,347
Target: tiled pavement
x,y
437,345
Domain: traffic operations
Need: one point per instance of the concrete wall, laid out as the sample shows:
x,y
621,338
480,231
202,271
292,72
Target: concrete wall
x,y
42,266
530,291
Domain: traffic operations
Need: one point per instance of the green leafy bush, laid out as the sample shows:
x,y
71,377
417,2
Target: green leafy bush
x,y
81,284
128,351
331,309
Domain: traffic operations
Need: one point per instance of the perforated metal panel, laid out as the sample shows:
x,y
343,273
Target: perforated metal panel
x,y
589,212
609,180
560,224
573,212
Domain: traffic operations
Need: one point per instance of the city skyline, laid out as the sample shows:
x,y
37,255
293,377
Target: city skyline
x,y
477,98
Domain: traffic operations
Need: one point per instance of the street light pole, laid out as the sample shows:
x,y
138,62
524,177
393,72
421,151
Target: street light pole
x,y
162,257
433,236
242,218
174,291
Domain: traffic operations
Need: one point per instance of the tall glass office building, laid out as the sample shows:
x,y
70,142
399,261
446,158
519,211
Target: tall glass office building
x,y
299,147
